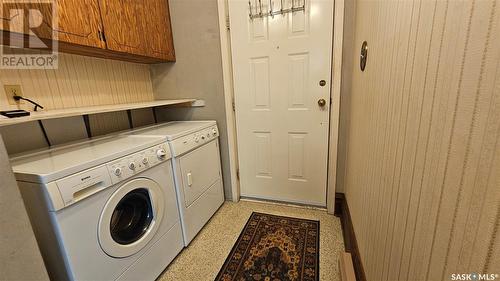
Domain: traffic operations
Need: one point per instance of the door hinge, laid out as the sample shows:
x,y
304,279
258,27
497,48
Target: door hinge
x,y
234,105
238,174
228,25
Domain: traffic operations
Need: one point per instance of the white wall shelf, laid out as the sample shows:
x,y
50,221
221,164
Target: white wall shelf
x,y
80,111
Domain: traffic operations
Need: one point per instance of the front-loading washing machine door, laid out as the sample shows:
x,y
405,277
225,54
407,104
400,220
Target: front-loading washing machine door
x,y
131,217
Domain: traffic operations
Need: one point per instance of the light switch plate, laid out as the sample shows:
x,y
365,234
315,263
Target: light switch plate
x,y
13,90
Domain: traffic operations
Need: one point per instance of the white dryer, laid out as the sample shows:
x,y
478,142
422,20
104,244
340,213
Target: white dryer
x,y
197,170
103,209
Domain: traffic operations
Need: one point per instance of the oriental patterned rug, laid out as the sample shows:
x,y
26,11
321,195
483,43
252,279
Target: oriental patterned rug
x,y
274,248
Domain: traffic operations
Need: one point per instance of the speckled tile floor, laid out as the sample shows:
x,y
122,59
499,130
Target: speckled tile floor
x,y
205,255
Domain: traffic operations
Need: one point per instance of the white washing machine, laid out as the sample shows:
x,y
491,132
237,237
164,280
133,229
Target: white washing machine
x,y
197,170
103,209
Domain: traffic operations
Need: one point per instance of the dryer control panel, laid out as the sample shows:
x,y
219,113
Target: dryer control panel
x,y
132,164
192,141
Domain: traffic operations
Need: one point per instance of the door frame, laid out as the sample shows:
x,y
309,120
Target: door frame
x,y
227,75
335,86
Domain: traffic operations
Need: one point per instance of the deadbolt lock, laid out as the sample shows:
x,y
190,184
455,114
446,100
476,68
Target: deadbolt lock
x,y
322,83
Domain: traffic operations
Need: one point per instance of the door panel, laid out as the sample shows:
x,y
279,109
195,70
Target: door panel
x,y
138,27
200,169
260,83
159,37
18,16
79,22
282,131
76,21
123,25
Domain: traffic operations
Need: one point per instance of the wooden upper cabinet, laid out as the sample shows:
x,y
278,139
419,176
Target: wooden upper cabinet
x,y
140,27
78,21
16,18
157,21
132,30
123,26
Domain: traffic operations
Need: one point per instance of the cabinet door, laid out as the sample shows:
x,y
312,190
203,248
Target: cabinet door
x,y
123,26
78,21
15,17
139,27
157,21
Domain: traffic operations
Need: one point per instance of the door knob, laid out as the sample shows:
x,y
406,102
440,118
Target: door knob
x,y
321,102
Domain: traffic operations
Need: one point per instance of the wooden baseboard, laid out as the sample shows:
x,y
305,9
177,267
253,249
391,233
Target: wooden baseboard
x,y
346,267
350,242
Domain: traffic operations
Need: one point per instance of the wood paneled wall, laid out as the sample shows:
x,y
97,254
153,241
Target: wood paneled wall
x,y
79,81
423,158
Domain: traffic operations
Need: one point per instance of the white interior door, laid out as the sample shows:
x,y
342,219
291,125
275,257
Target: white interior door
x,y
278,63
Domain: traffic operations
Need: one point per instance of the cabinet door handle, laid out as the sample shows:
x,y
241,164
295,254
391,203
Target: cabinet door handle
x,y
101,36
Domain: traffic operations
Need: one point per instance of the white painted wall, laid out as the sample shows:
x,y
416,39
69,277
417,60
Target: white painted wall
x,y
348,63
20,257
197,73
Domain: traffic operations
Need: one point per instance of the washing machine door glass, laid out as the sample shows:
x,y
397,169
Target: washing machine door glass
x,y
131,217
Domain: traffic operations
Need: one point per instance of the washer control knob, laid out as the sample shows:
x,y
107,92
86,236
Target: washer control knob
x,y
117,171
161,153
197,139
145,160
203,137
132,166
214,131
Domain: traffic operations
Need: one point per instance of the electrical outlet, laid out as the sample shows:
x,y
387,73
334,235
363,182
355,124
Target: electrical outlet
x,y
11,91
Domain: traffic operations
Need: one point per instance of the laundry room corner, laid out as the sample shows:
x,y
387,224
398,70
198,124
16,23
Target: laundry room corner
x,y
243,140
24,261
197,72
